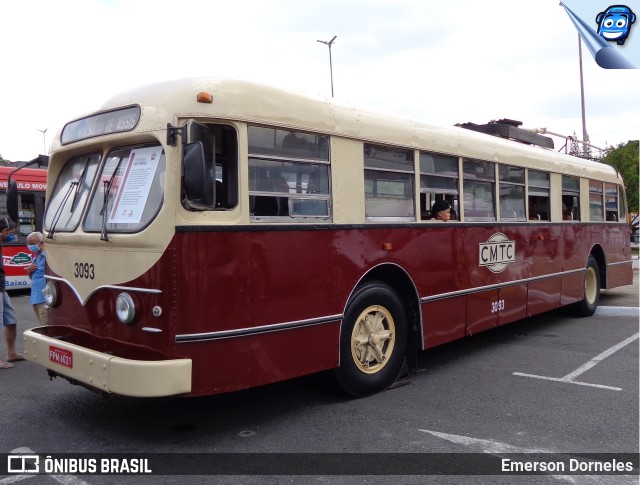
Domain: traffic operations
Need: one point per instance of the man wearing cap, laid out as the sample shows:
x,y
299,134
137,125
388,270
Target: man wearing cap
x,y
441,210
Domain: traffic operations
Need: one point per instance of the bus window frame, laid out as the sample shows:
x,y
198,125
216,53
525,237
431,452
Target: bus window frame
x,y
391,168
429,194
509,184
471,180
571,213
541,192
267,165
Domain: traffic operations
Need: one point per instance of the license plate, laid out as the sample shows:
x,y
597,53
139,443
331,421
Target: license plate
x,y
60,356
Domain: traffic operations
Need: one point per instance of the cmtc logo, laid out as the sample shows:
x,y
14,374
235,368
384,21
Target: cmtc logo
x,y
23,464
497,252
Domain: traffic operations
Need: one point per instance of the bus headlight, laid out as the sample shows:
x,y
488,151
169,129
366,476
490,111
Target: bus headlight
x,y
125,308
50,293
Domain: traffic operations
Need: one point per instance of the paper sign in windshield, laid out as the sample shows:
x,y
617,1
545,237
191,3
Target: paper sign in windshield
x,y
136,184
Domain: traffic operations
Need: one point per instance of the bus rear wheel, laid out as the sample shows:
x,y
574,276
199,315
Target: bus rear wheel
x,y
372,341
589,303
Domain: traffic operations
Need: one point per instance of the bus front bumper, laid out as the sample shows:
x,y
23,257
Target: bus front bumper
x,y
104,372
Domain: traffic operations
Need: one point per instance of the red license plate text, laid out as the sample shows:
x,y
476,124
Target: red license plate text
x,y
61,356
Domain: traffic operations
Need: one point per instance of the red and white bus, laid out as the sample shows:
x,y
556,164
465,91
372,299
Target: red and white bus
x,y
31,185
207,236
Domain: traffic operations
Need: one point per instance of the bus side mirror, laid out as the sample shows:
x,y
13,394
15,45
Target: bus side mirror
x,y
199,194
12,201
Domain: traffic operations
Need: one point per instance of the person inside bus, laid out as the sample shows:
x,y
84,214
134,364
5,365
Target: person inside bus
x,y
441,211
9,320
35,243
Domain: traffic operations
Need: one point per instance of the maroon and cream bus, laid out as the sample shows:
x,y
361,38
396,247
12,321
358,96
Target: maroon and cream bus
x,y
205,236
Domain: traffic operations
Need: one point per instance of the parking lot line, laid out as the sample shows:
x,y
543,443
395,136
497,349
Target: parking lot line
x,y
569,378
618,311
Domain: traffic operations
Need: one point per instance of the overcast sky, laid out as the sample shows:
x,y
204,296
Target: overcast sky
x,y
448,61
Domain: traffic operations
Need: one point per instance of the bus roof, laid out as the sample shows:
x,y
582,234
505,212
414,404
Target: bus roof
x,y
246,101
38,175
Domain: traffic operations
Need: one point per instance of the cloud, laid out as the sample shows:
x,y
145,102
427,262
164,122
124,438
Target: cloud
x,y
447,62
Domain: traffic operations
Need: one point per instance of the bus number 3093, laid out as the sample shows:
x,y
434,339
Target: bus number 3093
x,y
497,306
84,270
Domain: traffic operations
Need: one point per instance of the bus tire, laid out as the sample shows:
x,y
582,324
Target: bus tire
x,y
587,306
373,340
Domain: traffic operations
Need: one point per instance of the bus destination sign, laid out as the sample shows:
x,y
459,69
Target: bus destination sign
x,y
99,124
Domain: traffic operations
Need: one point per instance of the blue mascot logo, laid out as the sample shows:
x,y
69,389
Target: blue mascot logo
x,y
614,24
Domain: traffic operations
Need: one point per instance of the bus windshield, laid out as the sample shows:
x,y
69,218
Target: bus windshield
x,y
70,193
128,191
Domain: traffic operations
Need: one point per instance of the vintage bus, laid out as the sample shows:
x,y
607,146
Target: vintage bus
x,y
206,236
31,187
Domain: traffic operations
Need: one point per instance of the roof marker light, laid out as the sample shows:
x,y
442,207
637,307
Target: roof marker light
x,y
205,97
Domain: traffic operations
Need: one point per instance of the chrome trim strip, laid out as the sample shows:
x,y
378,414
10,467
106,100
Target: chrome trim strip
x,y
151,330
243,332
478,289
103,287
630,261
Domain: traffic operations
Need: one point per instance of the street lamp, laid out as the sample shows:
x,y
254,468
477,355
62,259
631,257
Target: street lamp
x,y
585,136
328,43
44,140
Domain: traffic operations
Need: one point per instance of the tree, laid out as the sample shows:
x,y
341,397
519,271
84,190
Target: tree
x,y
626,159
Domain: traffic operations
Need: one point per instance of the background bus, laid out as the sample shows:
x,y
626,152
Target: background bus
x,y
32,186
206,236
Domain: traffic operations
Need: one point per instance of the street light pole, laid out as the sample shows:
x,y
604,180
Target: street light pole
x,y
585,135
44,140
329,43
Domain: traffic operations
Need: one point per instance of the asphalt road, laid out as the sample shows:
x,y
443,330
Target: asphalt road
x,y
548,384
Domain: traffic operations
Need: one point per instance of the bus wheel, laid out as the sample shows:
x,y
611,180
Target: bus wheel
x,y
589,303
372,341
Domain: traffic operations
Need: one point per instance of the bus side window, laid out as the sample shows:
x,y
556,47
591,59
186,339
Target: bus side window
x,y
439,179
539,195
220,145
611,201
570,198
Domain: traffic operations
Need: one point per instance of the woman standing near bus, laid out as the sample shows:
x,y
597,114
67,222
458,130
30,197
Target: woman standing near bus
x,y
36,270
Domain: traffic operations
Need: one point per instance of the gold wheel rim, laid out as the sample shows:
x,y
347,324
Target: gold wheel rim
x,y
373,339
590,285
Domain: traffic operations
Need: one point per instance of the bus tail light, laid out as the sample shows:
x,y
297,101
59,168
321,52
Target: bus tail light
x,y
125,308
50,293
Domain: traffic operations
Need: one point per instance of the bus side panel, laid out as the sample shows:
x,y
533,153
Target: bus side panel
x,y
16,259
511,304
577,243
438,256
618,251
545,257
242,362
619,275
444,320
480,311
246,282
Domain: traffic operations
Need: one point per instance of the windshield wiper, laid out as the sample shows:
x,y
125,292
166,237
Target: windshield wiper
x,y
58,213
104,236
80,182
